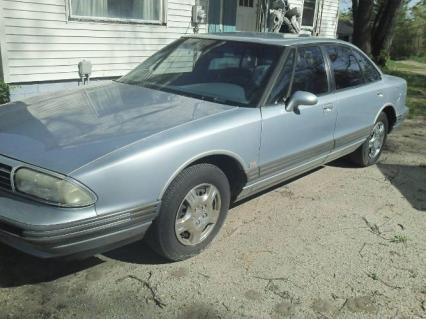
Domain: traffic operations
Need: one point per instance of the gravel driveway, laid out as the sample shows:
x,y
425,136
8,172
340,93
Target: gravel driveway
x,y
340,242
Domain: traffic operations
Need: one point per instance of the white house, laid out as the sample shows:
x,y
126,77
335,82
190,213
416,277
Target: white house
x,y
42,41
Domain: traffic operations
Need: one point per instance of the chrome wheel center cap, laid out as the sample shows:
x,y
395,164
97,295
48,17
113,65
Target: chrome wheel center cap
x,y
198,214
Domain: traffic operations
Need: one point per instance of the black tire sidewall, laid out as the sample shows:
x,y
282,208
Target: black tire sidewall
x,y
166,242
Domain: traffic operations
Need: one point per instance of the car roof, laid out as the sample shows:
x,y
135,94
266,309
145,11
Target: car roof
x,y
283,39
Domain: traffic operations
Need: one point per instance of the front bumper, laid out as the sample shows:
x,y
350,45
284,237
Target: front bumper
x,y
78,238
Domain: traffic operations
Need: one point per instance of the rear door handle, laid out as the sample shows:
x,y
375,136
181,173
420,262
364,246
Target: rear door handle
x,y
380,94
328,107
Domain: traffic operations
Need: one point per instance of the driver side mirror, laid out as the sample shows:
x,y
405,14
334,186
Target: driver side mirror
x,y
300,98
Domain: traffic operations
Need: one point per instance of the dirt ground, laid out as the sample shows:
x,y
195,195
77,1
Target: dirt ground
x,y
339,242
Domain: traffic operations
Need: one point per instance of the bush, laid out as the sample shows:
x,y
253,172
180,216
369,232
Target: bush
x,y
4,93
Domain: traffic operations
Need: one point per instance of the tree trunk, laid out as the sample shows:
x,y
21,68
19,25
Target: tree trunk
x,y
362,13
383,30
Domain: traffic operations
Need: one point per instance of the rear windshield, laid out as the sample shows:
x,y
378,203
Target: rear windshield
x,y
228,72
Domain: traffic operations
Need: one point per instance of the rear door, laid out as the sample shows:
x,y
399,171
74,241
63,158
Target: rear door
x,y
292,142
358,96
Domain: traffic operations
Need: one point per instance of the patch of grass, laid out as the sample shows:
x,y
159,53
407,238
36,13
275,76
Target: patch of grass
x,y
421,59
4,93
416,92
373,275
399,239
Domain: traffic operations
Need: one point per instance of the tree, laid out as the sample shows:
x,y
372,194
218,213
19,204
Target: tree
x,y
362,12
410,31
374,22
419,27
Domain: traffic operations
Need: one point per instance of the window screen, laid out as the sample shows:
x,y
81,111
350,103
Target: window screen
x,y
149,10
308,12
246,3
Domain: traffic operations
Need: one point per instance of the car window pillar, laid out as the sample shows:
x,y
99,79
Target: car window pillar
x,y
276,73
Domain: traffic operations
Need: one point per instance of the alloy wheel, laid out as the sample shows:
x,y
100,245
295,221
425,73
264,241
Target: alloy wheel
x,y
198,214
376,140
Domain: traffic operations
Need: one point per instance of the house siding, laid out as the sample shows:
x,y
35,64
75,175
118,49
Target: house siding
x,y
39,42
327,16
40,47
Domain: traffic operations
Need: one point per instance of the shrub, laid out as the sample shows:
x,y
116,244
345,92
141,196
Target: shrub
x,y
4,93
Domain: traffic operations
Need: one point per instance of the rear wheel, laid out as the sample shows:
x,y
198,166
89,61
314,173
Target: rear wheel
x,y
369,152
192,212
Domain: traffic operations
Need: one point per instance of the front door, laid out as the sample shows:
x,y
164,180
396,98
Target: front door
x,y
297,141
247,15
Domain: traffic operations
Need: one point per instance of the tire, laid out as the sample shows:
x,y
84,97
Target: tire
x,y
369,152
187,208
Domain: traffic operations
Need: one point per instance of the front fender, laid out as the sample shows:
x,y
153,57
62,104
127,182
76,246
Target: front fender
x,y
140,173
196,158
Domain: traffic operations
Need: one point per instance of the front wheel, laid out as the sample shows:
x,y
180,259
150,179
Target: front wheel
x,y
369,152
192,212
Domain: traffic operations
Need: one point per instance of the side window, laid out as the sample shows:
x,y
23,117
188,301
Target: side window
x,y
347,72
370,72
282,85
310,74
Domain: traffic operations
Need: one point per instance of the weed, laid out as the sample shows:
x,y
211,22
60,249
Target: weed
x,y
373,275
4,93
399,239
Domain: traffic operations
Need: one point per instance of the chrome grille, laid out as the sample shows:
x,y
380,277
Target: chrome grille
x,y
5,182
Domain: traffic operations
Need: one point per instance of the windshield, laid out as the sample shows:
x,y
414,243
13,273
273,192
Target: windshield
x,y
228,72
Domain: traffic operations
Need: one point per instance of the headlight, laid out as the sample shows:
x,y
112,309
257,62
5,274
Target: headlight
x,y
52,189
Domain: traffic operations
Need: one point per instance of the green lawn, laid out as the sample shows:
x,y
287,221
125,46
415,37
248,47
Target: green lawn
x,y
415,74
421,59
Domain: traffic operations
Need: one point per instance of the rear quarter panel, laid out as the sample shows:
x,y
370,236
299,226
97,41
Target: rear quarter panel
x,y
395,93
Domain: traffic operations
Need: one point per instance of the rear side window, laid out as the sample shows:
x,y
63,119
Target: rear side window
x,y
347,72
370,72
310,74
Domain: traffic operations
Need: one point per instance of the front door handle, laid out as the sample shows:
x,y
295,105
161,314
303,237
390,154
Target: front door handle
x,y
328,107
380,94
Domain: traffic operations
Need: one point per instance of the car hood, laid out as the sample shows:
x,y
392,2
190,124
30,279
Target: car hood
x,y
63,131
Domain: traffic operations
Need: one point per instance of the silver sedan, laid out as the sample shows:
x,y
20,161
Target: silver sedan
x,y
163,151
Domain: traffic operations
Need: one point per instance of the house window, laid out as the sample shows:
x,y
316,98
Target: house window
x,y
139,10
246,3
308,12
